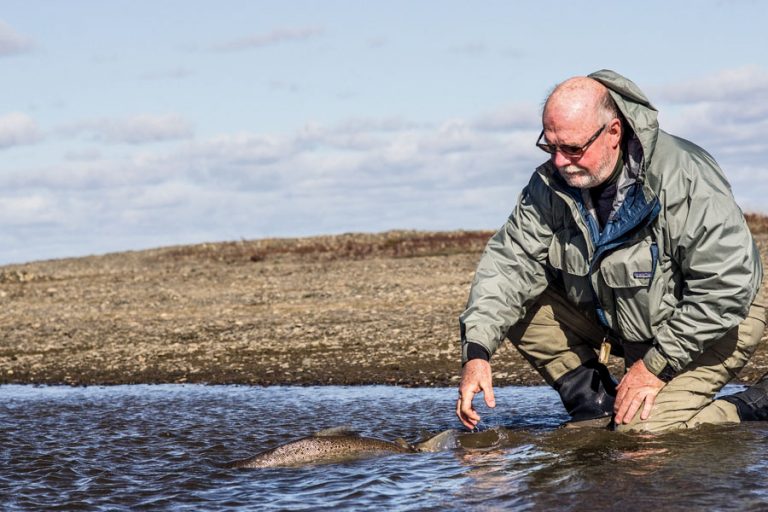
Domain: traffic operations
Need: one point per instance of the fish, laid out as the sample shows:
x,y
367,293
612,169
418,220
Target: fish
x,y
453,439
341,444
328,446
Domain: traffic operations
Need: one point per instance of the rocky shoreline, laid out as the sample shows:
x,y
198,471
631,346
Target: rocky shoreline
x,y
349,309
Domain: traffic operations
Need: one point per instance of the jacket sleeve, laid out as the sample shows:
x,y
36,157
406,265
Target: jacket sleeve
x,y
511,273
720,264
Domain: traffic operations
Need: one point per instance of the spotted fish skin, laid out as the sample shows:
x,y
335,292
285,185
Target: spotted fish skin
x,y
340,444
321,450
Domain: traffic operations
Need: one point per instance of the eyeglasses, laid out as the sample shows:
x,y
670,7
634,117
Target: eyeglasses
x,y
567,149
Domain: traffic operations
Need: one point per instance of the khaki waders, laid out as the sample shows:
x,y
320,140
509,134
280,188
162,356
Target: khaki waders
x,y
557,338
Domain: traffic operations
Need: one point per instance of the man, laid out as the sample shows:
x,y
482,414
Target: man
x,y
626,240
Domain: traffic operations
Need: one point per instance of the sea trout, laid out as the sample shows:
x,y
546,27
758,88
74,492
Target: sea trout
x,y
322,448
339,445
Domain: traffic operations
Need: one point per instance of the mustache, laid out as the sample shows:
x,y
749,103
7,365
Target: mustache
x,y
569,169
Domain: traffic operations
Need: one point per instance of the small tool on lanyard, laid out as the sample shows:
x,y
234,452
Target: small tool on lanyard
x,y
605,351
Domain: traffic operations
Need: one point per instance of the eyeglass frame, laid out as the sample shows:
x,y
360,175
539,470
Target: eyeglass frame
x,y
570,152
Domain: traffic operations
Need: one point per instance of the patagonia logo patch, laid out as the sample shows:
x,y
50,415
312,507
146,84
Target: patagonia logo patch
x,y
642,275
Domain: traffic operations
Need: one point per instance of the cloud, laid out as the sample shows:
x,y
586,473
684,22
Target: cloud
x,y
361,174
472,49
139,129
726,85
726,113
521,116
274,37
170,74
146,128
284,86
17,129
364,174
29,209
377,42
11,42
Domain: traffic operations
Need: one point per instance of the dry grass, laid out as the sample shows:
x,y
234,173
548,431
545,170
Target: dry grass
x,y
758,223
358,246
351,246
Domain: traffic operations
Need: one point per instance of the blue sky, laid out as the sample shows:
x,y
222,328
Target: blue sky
x,y
134,124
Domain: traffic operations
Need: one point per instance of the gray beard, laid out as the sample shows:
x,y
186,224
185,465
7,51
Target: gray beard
x,y
604,172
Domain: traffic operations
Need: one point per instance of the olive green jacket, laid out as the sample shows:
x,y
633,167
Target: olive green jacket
x,y
675,265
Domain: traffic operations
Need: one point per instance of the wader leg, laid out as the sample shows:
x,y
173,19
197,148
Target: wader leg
x,y
587,392
752,403
687,400
560,342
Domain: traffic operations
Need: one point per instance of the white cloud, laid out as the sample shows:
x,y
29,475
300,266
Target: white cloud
x,y
726,113
364,174
520,116
33,208
169,74
727,85
11,42
273,37
472,49
139,129
146,128
358,175
377,42
284,86
17,129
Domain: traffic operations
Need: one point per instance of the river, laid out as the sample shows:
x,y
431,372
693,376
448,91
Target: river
x,y
165,447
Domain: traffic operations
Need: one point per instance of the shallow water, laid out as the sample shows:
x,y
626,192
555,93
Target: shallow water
x,y
164,448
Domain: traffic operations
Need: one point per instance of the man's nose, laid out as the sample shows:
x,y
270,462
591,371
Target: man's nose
x,y
561,160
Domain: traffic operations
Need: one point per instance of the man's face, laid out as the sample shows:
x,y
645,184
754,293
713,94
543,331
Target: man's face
x,y
597,162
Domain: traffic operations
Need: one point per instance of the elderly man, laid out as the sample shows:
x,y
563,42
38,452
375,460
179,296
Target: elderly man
x,y
626,241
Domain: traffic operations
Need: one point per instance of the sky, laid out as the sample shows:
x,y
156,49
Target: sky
x,y
127,125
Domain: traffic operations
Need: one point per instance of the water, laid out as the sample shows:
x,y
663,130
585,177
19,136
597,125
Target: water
x,y
164,448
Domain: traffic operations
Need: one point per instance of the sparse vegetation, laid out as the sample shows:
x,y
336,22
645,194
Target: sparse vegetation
x,y
758,223
353,246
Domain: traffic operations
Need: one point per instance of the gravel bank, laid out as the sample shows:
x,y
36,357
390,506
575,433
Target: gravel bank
x,y
348,309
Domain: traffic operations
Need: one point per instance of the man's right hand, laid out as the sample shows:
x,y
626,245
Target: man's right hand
x,y
475,377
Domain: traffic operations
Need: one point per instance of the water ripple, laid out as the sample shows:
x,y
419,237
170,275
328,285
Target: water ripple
x,y
165,448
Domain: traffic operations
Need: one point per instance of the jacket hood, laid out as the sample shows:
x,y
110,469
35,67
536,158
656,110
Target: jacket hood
x,y
635,106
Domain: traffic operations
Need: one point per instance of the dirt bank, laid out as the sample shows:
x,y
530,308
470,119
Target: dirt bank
x,y
348,309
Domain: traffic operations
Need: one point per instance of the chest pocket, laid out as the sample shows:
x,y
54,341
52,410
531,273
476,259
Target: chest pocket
x,y
568,256
628,274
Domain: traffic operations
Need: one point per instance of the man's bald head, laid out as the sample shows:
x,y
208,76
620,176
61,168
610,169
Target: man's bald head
x,y
579,98
582,131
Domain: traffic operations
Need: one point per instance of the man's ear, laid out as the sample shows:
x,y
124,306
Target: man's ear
x,y
615,131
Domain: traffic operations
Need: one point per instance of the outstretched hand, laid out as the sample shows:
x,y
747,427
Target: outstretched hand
x,y
638,387
475,378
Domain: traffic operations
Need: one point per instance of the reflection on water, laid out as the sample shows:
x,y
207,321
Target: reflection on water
x,y
164,448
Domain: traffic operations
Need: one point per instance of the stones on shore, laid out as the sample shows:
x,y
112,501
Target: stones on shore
x,y
209,314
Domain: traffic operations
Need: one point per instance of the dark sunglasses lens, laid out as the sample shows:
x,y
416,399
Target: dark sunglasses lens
x,y
571,150
547,147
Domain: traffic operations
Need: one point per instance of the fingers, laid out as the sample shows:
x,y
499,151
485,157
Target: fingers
x,y
621,394
629,406
464,410
638,388
490,399
628,409
475,378
649,400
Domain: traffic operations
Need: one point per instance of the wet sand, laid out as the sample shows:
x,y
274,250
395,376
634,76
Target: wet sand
x,y
348,309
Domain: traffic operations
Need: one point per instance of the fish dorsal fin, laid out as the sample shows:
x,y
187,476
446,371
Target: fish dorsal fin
x,y
335,431
446,440
402,443
425,434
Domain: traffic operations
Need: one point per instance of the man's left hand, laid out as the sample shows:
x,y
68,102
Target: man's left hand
x,y
638,387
